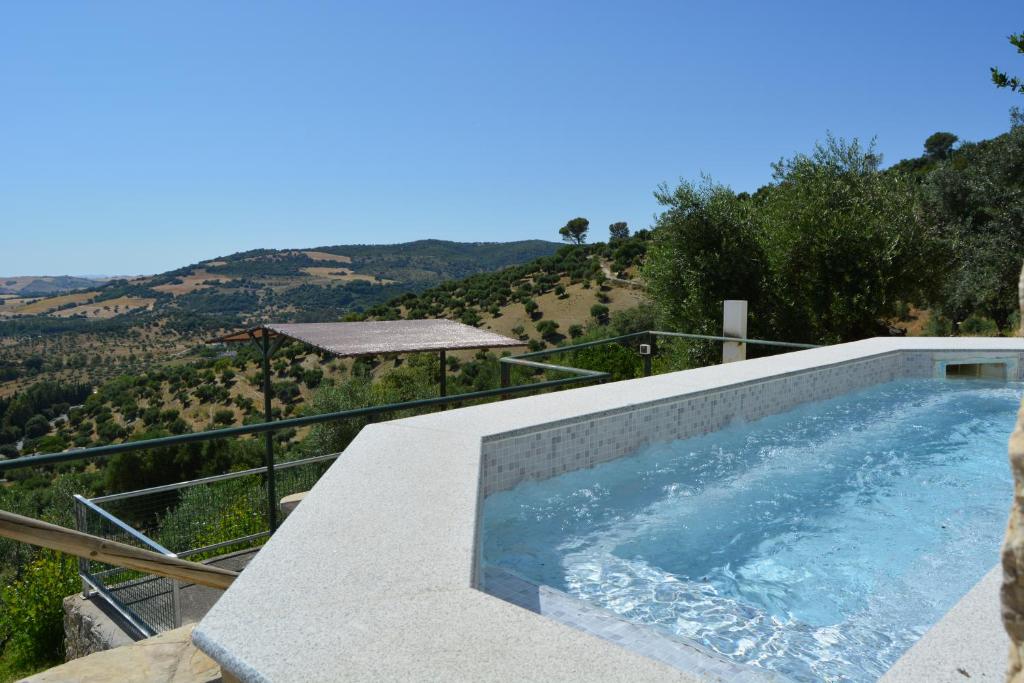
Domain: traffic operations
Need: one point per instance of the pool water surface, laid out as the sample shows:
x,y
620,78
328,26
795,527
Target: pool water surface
x,y
819,543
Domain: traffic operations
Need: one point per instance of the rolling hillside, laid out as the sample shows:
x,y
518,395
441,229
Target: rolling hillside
x,y
152,374
298,284
45,285
129,325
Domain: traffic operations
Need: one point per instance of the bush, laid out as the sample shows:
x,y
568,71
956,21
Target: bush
x,y
938,326
547,328
312,377
32,614
212,514
286,392
979,326
37,426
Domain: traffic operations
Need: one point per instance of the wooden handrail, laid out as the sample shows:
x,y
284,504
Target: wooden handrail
x,y
46,535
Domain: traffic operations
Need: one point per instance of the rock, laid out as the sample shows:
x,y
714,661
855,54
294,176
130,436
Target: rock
x,y
1012,591
167,658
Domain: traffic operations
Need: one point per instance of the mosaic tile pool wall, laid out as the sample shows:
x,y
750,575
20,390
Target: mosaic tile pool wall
x,y
536,454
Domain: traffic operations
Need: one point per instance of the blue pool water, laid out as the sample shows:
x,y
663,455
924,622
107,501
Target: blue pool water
x,y
820,543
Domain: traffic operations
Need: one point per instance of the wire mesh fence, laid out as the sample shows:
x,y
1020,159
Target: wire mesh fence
x,y
149,603
200,520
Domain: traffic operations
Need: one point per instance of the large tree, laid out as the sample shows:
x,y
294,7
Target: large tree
x,y
618,231
844,247
823,254
977,204
939,145
705,248
575,231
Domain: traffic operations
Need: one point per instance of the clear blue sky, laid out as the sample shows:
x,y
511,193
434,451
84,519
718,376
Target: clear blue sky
x,y
137,137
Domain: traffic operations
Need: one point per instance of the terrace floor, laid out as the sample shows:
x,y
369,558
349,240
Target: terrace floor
x,y
196,601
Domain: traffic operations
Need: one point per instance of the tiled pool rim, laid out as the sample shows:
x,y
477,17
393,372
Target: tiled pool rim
x,y
374,576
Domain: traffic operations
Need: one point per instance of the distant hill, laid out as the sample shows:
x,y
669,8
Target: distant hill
x,y
44,285
318,283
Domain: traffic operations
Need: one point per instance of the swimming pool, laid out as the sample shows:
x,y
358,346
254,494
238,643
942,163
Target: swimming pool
x,y
819,543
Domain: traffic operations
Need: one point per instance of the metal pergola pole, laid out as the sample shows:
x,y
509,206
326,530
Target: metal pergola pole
x,y
268,415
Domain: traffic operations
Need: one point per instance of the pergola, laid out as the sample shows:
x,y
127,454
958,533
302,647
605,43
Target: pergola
x,y
350,340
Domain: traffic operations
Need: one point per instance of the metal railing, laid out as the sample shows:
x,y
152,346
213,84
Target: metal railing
x,y
186,520
200,519
150,604
648,338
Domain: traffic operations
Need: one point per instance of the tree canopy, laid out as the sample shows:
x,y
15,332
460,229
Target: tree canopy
x,y
1001,78
575,231
939,145
618,231
823,254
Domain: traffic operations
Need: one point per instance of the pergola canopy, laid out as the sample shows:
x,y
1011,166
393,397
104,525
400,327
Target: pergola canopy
x,y
348,340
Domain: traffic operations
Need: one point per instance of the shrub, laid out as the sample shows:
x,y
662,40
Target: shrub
x,y
938,326
547,328
979,326
312,377
37,426
32,614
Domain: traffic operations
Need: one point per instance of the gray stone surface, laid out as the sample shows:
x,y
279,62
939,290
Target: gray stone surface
x,y
167,658
373,577
968,644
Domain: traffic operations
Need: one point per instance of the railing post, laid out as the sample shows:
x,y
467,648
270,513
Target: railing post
x,y
648,339
506,376
176,600
81,524
444,374
734,324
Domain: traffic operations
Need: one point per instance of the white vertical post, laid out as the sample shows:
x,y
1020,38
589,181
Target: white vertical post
x,y
734,324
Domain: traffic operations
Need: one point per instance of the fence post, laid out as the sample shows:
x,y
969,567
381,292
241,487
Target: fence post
x,y
734,324
176,600
649,340
83,564
444,374
506,376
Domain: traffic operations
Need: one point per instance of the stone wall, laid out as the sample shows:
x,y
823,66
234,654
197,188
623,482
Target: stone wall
x,y
88,629
167,658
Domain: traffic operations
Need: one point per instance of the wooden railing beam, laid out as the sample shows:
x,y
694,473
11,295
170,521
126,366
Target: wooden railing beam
x,y
46,535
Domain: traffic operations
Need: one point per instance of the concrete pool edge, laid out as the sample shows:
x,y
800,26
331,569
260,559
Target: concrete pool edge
x,y
373,576
968,643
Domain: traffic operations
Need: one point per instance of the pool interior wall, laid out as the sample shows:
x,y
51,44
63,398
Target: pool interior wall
x,y
540,453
